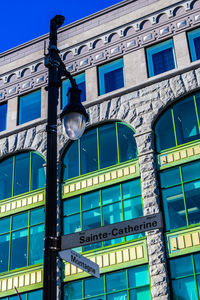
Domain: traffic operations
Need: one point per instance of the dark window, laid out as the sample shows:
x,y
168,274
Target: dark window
x,y
160,58
29,107
111,76
194,44
3,116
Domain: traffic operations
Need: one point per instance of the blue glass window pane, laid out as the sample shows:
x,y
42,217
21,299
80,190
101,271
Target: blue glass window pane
x,y
194,43
6,177
131,189
161,58
112,214
191,171
133,208
164,131
91,200
36,244
73,291
93,287
181,266
163,61
111,194
80,80
192,192
186,121
111,76
19,249
72,224
3,116
127,143
38,178
91,219
4,252
20,221
138,276
117,296
71,206
197,47
71,162
30,107
35,295
198,285
170,177
116,281
197,262
21,179
114,241
88,152
4,225
23,296
184,289
114,80
107,145
140,294
174,208
37,216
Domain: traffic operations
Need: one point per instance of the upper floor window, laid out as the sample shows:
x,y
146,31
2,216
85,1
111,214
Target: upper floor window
x,y
161,58
179,124
80,80
29,107
110,205
185,275
180,195
111,76
3,116
194,44
98,148
20,174
21,240
130,284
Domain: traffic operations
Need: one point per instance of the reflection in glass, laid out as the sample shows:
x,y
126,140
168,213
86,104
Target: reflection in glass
x,y
19,249
112,214
88,152
36,244
192,192
184,289
174,207
21,179
170,177
20,221
185,121
29,107
131,189
71,206
107,145
111,194
73,291
181,266
70,162
6,172
164,131
38,178
4,252
116,281
191,171
91,219
93,287
91,200
127,143
133,208
71,224
138,276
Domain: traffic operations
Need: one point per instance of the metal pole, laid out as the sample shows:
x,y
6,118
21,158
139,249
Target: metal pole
x,y
51,241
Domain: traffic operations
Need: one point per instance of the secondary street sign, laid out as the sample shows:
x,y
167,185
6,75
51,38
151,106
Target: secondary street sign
x,y
112,231
80,261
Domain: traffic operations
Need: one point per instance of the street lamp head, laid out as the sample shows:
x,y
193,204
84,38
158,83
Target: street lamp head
x,y
58,20
74,115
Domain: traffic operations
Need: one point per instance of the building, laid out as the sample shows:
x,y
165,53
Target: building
x,y
138,65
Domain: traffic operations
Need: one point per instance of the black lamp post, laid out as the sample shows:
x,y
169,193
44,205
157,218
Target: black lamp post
x,y
74,118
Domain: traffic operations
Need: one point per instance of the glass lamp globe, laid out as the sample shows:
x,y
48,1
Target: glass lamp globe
x,y
74,125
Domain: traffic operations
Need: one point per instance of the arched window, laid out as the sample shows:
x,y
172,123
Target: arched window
x,y
179,124
21,173
107,147
98,148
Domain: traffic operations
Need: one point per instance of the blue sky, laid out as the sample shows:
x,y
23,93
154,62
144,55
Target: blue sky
x,y
23,20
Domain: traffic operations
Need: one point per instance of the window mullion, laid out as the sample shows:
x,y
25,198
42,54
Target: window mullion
x,y
28,238
185,206
30,169
196,110
98,154
117,139
10,243
173,121
13,177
